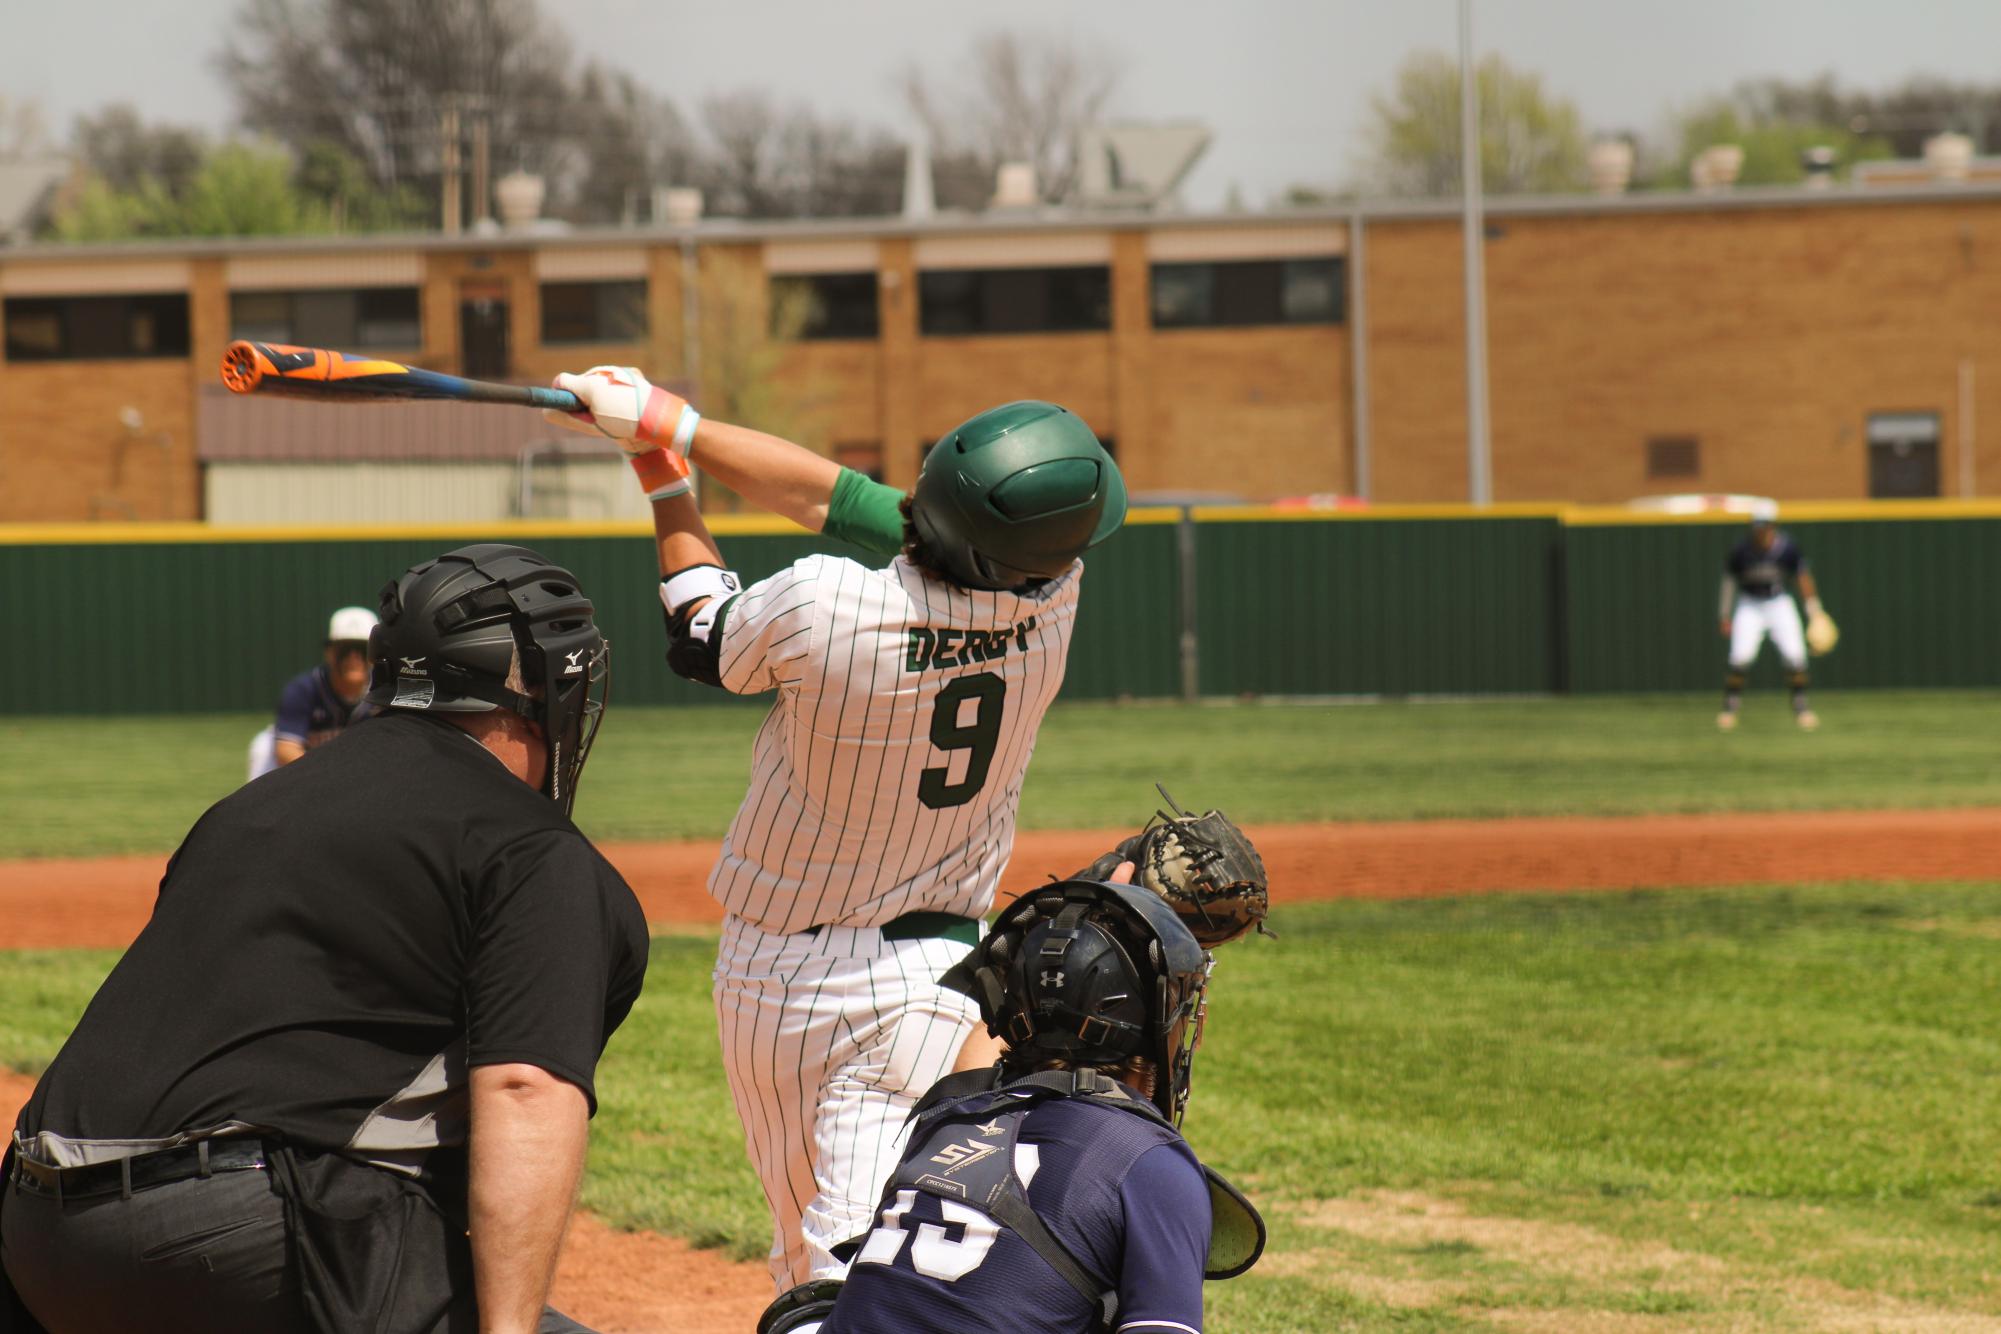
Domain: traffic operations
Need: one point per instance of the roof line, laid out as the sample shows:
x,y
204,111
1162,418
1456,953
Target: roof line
x,y
725,231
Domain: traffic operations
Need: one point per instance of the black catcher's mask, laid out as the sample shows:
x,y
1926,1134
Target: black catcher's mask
x,y
1093,973
451,629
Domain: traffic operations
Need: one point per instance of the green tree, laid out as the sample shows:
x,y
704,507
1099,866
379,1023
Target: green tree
x,y
247,190
1531,142
92,209
1775,127
235,190
337,182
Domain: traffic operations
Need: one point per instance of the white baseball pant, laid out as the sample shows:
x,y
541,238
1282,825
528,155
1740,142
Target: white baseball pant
x,y
828,1040
1754,618
263,756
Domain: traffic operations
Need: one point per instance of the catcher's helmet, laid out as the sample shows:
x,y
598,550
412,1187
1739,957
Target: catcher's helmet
x,y
1092,973
1015,494
451,629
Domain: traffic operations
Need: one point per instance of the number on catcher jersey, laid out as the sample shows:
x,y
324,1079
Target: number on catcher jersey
x,y
977,739
935,1253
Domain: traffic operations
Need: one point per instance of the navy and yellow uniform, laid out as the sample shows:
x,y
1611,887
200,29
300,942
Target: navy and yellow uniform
x,y
311,712
1762,571
1116,1188
1756,605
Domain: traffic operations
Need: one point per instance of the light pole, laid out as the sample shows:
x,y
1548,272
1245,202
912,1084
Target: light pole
x,y
1479,456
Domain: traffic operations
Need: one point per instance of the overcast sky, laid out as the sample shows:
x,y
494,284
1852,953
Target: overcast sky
x,y
1284,85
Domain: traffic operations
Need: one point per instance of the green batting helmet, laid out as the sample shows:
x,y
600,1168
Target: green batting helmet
x,y
1016,494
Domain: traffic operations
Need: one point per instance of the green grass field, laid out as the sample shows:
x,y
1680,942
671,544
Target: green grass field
x,y
1756,1108
74,787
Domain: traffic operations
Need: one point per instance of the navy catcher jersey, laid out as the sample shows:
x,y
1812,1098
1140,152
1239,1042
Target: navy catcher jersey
x,y
1122,1193
311,712
1761,572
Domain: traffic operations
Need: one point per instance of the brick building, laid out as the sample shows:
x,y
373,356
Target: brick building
x,y
1805,344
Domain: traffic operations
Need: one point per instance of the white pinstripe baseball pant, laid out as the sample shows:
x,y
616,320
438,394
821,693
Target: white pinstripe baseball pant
x,y
828,1040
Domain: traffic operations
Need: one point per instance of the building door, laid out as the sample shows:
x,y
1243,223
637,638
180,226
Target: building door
x,y
483,334
1903,455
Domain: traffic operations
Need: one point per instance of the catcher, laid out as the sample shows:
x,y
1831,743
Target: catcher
x,y
1053,1191
1754,604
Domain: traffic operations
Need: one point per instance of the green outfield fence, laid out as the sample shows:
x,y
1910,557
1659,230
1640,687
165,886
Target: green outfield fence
x,y
1226,601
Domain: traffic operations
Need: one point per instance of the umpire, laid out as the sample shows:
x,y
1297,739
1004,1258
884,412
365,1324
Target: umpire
x,y
342,1079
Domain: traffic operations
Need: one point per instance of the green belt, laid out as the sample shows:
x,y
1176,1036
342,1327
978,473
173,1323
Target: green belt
x,y
926,925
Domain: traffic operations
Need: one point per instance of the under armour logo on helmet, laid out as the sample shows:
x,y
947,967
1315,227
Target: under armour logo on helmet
x,y
1052,977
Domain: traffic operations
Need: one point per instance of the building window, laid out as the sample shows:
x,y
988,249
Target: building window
x,y
367,317
1262,291
1903,455
594,312
824,305
1008,301
89,328
865,457
1674,456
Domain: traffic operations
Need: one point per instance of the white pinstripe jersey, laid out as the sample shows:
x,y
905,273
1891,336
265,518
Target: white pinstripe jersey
x,y
887,776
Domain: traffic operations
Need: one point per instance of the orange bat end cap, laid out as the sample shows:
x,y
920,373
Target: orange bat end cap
x,y
241,370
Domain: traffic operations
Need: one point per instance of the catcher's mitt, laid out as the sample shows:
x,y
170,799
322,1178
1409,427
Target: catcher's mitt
x,y
1203,865
1822,634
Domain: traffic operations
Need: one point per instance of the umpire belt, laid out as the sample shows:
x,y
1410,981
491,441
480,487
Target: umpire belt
x,y
141,1171
925,926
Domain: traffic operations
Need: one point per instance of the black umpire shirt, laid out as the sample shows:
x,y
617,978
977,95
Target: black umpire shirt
x,y
336,943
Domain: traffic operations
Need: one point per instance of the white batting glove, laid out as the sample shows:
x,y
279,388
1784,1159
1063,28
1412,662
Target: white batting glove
x,y
654,427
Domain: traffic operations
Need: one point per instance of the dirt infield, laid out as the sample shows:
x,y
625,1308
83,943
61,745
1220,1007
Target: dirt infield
x,y
104,902
635,1283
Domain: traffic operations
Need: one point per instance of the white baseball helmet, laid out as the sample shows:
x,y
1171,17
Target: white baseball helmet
x,y
350,625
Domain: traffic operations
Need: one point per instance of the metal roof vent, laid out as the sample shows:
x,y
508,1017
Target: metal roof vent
x,y
519,195
1014,186
1949,157
1716,167
920,200
1610,162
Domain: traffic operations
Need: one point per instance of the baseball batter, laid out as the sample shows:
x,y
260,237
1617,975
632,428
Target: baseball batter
x,y
886,779
1754,604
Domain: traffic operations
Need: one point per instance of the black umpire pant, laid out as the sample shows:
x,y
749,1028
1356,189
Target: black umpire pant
x,y
207,1255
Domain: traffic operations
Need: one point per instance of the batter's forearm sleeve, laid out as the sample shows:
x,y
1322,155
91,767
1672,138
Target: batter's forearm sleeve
x,y
865,513
1726,599
695,642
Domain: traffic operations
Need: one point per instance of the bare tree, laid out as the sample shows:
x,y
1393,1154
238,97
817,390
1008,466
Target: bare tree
x,y
773,162
633,142
382,78
118,147
23,131
1902,117
1021,98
